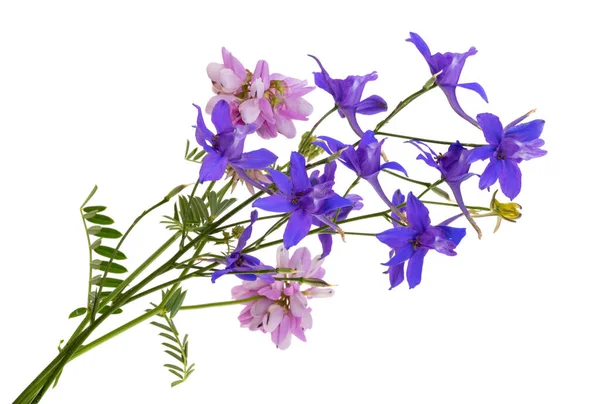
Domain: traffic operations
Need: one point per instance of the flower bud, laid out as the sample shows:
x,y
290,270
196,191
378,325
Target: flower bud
x,y
307,148
507,211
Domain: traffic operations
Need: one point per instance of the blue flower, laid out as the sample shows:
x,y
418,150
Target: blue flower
x,y
507,148
365,160
347,94
448,67
412,243
227,147
298,196
454,168
238,262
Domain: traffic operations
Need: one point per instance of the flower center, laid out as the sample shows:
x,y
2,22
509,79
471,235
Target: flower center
x,y
215,141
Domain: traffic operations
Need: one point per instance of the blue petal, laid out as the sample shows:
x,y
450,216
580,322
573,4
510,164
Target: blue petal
x,y
527,131
396,274
298,173
392,165
450,92
424,49
480,153
401,255
415,267
326,243
334,203
455,187
510,179
453,234
255,160
283,182
213,167
297,228
418,215
246,233
491,127
490,174
217,274
398,237
220,117
275,203
333,144
202,132
371,105
475,87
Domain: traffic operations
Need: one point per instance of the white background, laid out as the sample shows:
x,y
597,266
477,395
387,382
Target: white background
x,y
101,94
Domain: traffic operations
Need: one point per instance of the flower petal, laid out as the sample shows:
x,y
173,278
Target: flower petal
x,y
510,179
415,267
283,182
275,203
221,118
371,105
397,237
490,174
326,244
526,132
396,275
213,167
417,214
272,318
255,160
297,228
250,110
480,153
491,127
392,165
424,49
298,172
202,132
475,87
401,255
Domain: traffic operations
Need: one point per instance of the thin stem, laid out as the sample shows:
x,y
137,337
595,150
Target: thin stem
x,y
425,184
331,111
187,210
247,221
354,183
455,205
402,104
427,140
220,304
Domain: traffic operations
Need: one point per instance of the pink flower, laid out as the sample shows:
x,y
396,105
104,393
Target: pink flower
x,y
270,101
283,308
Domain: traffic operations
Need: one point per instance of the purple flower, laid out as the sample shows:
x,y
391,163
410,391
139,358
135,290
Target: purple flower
x,y
296,195
282,309
365,160
448,67
412,243
454,167
270,101
347,95
227,146
507,148
238,262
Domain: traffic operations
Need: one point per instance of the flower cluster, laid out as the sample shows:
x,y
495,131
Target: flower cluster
x,y
305,201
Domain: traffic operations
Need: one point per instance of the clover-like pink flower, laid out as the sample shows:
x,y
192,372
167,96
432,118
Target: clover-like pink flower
x,y
282,309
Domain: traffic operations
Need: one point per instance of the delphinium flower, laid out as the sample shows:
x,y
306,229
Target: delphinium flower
x,y
240,262
454,167
413,242
396,272
448,67
365,160
347,94
328,176
270,101
283,308
226,147
507,148
296,195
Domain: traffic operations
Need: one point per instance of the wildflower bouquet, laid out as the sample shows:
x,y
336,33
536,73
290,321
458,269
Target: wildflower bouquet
x,y
212,232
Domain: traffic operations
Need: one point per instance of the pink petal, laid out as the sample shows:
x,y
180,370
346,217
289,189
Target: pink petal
x,y
307,321
320,292
267,131
267,111
273,318
283,257
260,307
257,89
269,292
229,81
298,304
231,62
249,110
285,126
213,70
301,260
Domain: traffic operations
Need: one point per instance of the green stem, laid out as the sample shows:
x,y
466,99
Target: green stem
x,y
220,304
187,210
455,205
425,184
402,104
354,183
427,140
247,221
331,111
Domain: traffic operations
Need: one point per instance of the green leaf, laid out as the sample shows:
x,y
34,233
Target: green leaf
x,y
176,374
176,382
106,308
89,196
176,190
94,230
159,325
96,244
78,312
191,154
172,338
114,267
94,209
106,282
174,355
172,299
99,219
110,252
441,193
174,367
173,347
107,232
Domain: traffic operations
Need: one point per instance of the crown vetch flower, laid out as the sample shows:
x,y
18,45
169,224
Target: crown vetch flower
x,y
454,167
296,195
270,101
448,67
347,94
283,308
507,148
226,147
365,160
412,243
239,262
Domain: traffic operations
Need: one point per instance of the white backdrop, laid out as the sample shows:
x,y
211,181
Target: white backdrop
x,y
102,93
